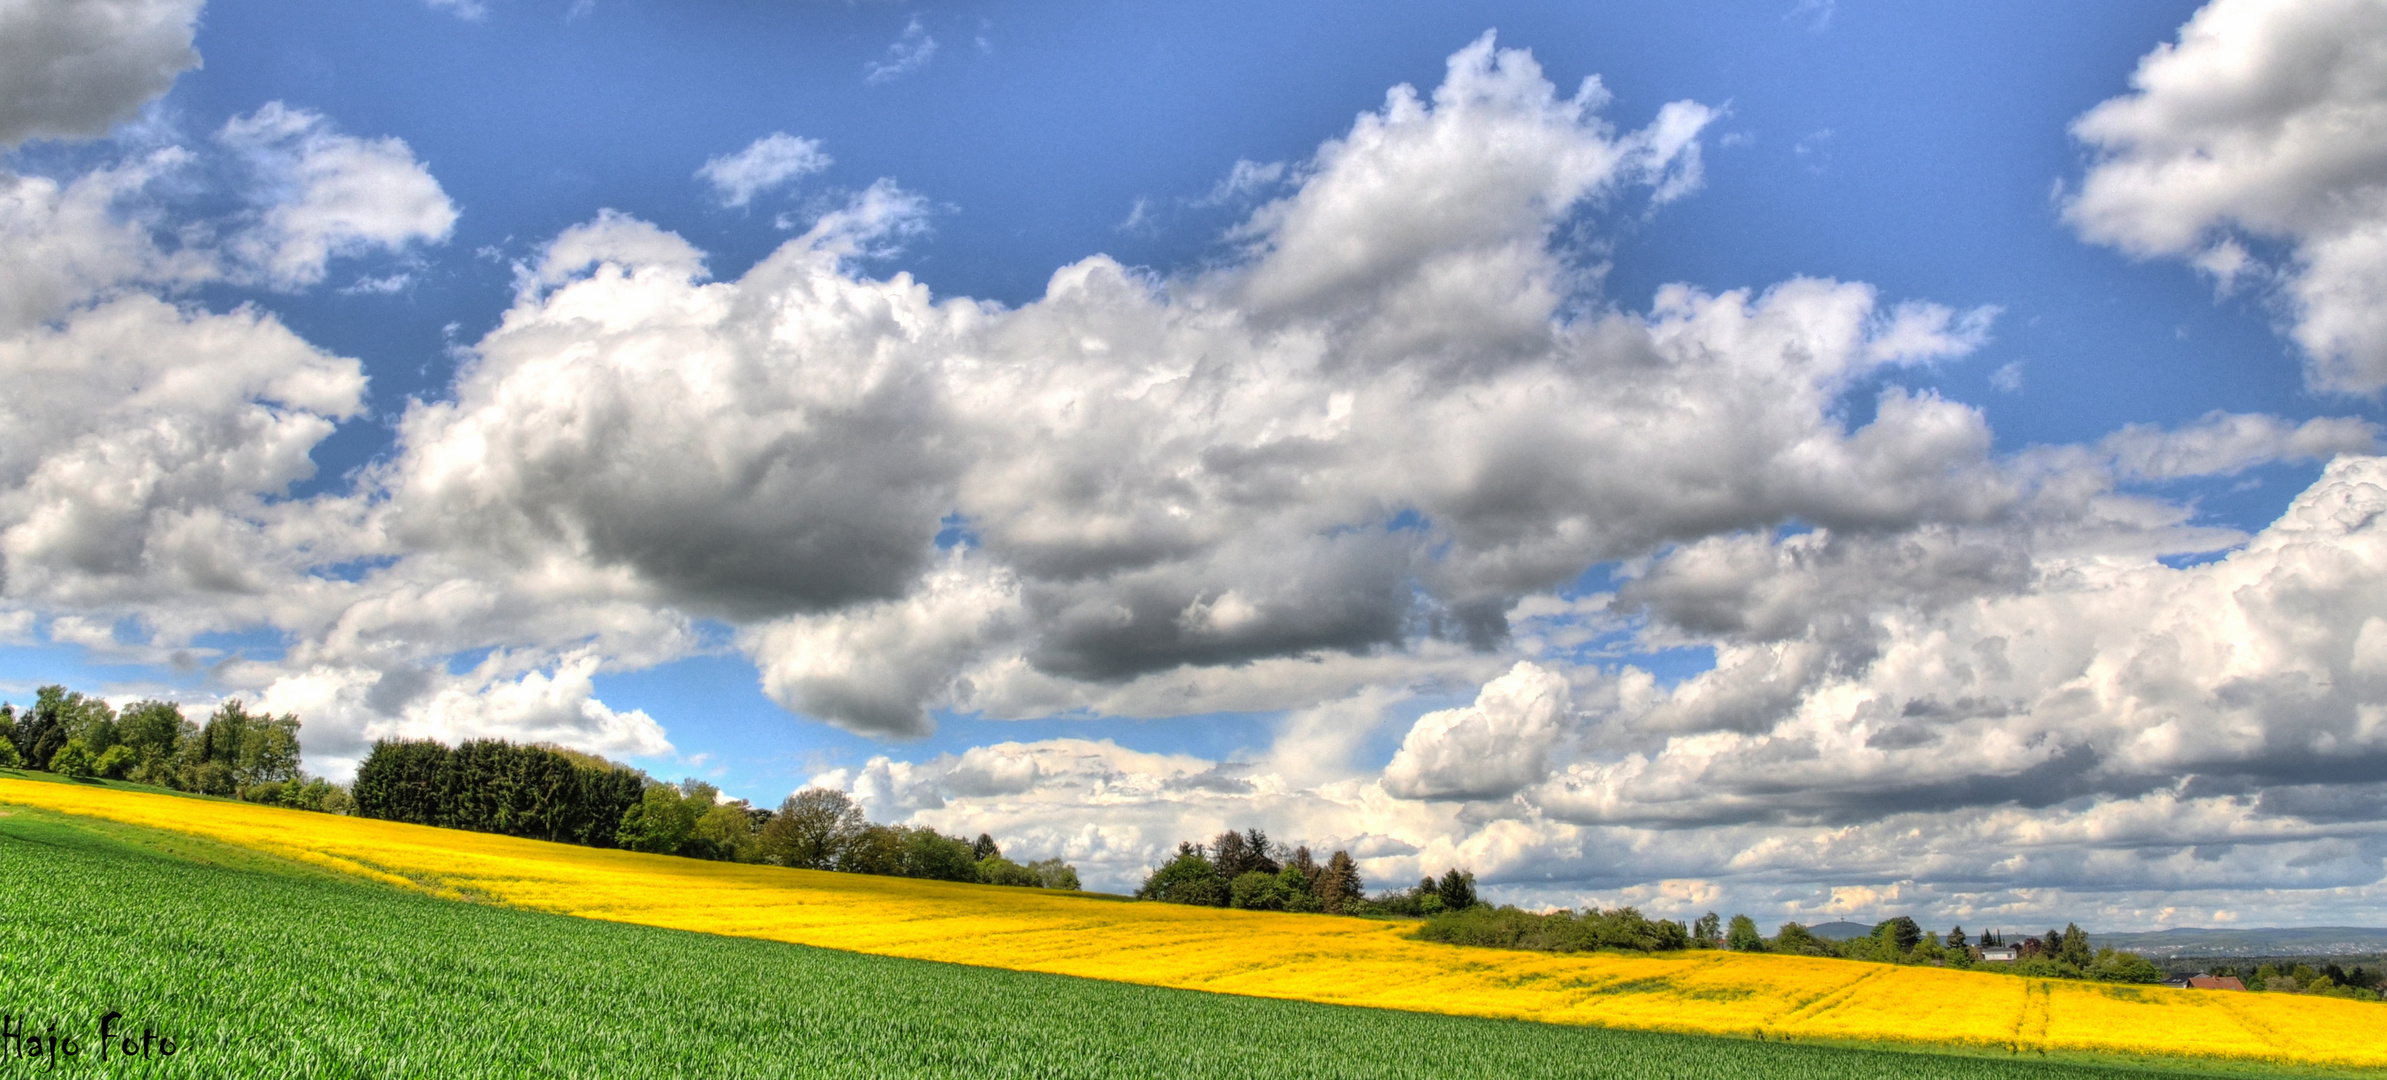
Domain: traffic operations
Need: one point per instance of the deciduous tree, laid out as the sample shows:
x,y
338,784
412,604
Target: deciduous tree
x,y
1054,874
2075,949
1187,878
876,849
1743,935
725,831
660,823
813,829
1899,933
930,854
1797,940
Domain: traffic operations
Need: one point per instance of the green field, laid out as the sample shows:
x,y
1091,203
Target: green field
x,y
263,968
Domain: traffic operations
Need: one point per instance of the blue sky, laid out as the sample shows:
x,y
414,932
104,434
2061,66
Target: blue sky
x,y
1114,422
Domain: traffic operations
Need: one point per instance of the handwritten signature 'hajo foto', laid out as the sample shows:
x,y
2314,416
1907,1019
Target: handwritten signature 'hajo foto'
x,y
50,1045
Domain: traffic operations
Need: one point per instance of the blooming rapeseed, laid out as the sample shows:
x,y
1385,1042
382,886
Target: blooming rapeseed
x,y
1305,957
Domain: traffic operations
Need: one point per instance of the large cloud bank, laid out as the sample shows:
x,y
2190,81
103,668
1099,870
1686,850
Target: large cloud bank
x,y
1362,465
2107,736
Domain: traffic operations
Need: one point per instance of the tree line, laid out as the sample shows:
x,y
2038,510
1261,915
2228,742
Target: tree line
x,y
540,792
536,791
546,792
251,756
2060,954
1246,870
1506,927
2065,953
822,829
2289,977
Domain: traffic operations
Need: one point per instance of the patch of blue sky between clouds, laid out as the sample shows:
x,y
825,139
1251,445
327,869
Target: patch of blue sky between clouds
x,y
24,669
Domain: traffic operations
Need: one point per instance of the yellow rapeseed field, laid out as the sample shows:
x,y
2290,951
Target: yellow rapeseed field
x,y
1307,957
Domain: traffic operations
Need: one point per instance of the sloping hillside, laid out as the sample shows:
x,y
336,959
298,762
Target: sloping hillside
x,y
1312,958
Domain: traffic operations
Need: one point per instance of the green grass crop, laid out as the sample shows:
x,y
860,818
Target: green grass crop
x,y
260,969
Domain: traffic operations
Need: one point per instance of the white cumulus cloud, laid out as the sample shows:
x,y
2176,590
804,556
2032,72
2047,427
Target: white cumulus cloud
x,y
1488,750
2267,120
766,164
328,195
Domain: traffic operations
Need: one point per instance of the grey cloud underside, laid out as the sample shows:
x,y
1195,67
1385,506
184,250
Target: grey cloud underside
x,y
810,522
1326,597
2090,679
2065,775
1744,588
74,68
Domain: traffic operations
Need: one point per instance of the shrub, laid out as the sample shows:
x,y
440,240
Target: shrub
x,y
269,793
114,762
1257,891
209,778
2124,967
74,760
2040,967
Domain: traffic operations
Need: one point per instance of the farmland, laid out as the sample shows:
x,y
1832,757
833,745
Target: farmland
x,y
494,977
259,971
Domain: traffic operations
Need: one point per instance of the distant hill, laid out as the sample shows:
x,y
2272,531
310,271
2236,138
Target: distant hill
x,y
1841,931
2260,941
